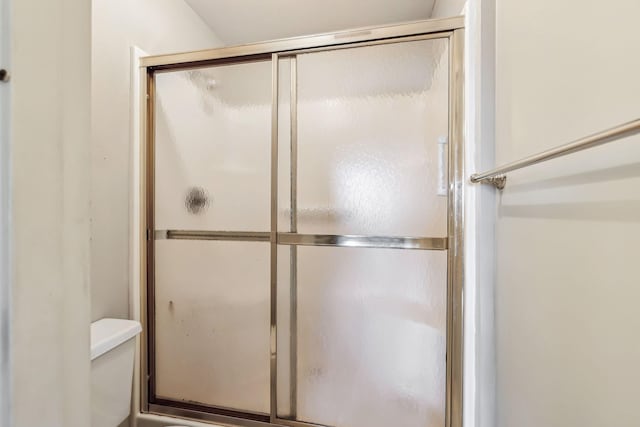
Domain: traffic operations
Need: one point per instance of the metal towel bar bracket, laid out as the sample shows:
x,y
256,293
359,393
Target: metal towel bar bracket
x,y
497,177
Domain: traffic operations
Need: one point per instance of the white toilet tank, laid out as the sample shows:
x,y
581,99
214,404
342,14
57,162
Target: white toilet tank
x,y
113,348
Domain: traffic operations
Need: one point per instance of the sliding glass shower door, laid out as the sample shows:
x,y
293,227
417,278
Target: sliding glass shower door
x,y
362,307
300,217
212,295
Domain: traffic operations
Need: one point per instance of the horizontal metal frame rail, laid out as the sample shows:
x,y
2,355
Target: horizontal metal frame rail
x,y
352,241
265,49
497,176
203,413
219,410
296,239
241,236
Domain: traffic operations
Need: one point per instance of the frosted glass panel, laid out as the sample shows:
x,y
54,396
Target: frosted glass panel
x,y
212,323
213,145
284,304
371,337
284,144
369,122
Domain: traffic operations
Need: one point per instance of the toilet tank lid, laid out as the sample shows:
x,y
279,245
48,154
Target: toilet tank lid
x,y
107,334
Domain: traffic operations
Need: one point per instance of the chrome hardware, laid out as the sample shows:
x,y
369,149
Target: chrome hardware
x,y
242,236
497,177
295,239
499,181
388,242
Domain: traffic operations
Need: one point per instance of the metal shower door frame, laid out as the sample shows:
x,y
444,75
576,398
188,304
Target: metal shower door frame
x,y
451,29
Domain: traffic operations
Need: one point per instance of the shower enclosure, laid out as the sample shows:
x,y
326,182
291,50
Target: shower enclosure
x,y
303,223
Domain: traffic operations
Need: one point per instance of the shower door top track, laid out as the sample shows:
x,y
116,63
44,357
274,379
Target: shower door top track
x,y
291,46
451,29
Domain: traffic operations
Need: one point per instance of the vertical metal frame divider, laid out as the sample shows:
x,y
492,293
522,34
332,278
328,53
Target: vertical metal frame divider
x,y
148,380
146,138
293,265
275,75
451,29
455,230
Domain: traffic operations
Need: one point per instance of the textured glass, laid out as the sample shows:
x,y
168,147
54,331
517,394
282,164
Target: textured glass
x,y
284,311
213,148
212,323
369,122
284,144
371,340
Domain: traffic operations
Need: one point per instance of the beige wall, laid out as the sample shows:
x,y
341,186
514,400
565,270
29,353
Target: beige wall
x,y
568,231
155,27
447,8
50,143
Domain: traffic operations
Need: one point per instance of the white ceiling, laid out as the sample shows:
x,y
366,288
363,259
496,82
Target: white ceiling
x,y
248,21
